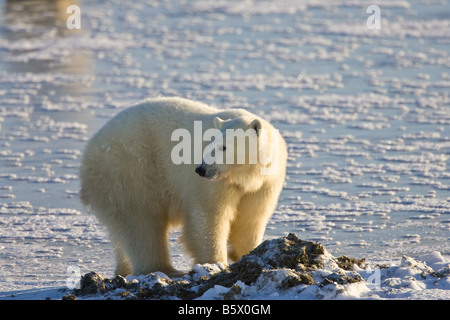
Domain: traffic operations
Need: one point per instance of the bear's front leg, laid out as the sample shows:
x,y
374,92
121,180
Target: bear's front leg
x,y
206,234
253,212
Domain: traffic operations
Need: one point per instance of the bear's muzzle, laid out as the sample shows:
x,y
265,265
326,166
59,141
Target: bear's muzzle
x,y
200,170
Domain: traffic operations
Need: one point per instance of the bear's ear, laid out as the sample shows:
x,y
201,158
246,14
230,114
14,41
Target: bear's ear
x,y
256,125
218,123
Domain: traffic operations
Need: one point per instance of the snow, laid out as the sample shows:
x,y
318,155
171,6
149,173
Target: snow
x,y
427,277
365,114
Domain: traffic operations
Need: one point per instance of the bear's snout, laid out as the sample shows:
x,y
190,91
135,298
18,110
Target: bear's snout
x,y
200,170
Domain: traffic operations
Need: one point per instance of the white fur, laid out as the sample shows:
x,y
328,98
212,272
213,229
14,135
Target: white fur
x,y
133,187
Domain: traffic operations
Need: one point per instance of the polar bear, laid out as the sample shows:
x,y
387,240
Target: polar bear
x,y
133,181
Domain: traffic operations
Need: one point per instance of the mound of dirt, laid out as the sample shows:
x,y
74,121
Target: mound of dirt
x,y
282,263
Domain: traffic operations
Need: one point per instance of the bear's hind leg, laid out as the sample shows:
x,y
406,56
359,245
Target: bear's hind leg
x,y
123,264
146,244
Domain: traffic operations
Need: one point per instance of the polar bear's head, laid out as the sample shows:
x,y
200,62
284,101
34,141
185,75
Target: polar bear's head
x,y
240,147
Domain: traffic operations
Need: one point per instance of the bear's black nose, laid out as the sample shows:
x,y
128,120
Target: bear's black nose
x,y
200,170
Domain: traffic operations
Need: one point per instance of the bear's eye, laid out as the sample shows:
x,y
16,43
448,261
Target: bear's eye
x,y
224,148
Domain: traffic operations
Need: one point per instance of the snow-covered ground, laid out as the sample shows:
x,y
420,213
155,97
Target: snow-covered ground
x,y
365,113
286,268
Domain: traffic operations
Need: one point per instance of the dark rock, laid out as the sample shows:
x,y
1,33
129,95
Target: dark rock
x,y
91,283
69,297
235,293
337,278
347,263
298,258
296,279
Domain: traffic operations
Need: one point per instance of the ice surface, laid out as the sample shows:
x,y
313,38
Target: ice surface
x,y
282,268
365,113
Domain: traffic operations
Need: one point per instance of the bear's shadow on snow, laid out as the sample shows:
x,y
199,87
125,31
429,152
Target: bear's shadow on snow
x,y
295,256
